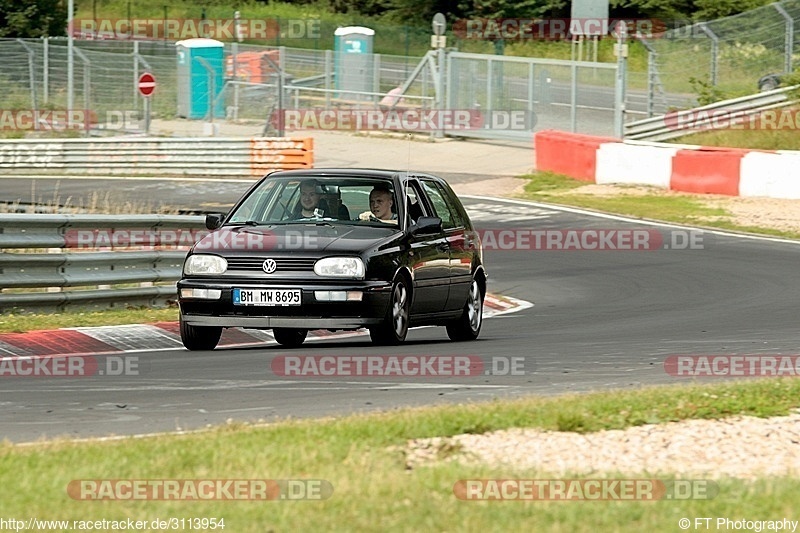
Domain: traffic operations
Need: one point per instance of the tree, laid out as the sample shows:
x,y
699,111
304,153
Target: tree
x,y
32,18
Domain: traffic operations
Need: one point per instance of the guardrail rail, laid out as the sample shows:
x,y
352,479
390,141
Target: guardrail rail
x,y
156,156
48,262
708,117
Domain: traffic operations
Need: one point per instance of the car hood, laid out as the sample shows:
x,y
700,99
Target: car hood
x,y
301,238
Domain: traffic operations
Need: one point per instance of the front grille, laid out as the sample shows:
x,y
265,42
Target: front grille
x,y
254,264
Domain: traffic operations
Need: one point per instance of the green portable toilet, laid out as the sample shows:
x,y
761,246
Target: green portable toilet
x,y
195,82
352,60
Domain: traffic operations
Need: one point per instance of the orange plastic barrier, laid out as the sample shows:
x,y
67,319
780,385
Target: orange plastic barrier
x,y
572,154
707,170
269,153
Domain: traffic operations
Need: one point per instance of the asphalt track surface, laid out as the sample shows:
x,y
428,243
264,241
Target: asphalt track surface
x,y
601,320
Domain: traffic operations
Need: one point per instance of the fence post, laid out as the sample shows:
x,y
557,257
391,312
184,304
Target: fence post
x,y
328,77
788,47
45,69
135,80
714,50
619,88
31,77
87,87
573,97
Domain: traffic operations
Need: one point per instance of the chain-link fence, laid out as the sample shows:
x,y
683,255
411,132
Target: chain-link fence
x,y
105,74
727,57
549,93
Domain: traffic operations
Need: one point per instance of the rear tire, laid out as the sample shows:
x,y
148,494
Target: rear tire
x,y
467,327
290,337
394,328
199,337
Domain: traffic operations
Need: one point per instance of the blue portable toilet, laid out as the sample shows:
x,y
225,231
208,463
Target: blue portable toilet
x,y
353,60
195,82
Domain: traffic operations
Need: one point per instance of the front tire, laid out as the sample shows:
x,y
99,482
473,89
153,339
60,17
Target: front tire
x,y
290,337
199,337
467,327
394,328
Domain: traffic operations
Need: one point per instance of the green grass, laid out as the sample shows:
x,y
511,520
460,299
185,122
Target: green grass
x,y
785,139
21,322
373,490
670,207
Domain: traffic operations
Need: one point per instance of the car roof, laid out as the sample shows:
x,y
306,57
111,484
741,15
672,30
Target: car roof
x,y
349,172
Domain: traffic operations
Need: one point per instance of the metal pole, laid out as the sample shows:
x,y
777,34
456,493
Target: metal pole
x,y
281,82
573,98
86,84
235,77
147,114
328,77
714,50
651,83
376,75
619,88
235,49
70,65
531,86
31,73
46,69
441,86
135,74
788,39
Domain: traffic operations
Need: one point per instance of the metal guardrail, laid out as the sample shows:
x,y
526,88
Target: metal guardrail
x,y
155,156
94,259
679,123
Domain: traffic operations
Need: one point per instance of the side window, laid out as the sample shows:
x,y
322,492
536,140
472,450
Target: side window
x,y
254,207
439,204
414,207
458,211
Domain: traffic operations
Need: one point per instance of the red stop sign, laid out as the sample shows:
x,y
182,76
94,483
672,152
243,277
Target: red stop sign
x,y
147,84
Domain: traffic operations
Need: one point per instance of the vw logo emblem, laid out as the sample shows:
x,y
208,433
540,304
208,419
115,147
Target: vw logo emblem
x,y
269,266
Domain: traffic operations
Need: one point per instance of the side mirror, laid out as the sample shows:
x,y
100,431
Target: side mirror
x,y
214,220
427,226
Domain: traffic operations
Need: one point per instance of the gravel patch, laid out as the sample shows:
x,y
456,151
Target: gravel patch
x,y
740,447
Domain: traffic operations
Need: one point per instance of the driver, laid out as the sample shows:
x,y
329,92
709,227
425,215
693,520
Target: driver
x,y
380,206
309,200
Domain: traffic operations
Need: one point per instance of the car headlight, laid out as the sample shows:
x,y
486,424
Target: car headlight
x,y
340,267
205,264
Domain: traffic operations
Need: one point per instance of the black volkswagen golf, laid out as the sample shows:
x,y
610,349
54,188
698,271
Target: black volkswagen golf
x,y
336,249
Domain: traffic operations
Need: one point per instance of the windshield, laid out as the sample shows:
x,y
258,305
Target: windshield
x,y
302,200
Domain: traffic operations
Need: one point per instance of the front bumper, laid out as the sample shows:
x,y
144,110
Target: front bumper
x,y
310,314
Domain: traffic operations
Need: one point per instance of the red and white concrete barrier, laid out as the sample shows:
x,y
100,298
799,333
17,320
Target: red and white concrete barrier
x,y
679,167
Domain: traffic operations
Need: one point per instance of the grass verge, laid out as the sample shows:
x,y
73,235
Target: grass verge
x,y
21,322
372,488
668,207
767,139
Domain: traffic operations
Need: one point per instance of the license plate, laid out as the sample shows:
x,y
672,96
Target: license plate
x,y
267,297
